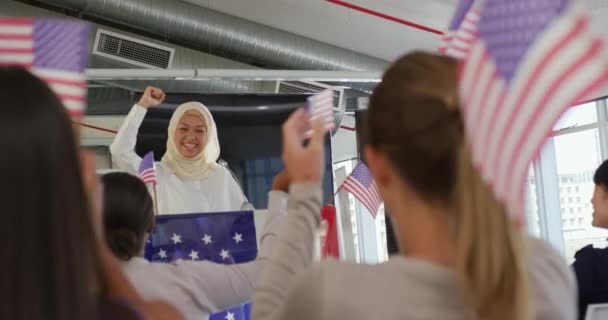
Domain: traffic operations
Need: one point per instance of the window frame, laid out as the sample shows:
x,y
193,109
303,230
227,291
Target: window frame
x,y
549,198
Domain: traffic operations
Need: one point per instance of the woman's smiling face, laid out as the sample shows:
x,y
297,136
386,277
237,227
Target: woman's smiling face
x,y
191,135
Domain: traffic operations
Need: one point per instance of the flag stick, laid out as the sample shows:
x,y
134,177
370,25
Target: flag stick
x,y
334,195
155,201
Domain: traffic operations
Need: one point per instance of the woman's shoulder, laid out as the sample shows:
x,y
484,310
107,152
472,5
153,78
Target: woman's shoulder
x,y
161,169
163,172
334,272
591,265
138,268
219,169
335,289
220,172
334,279
329,273
215,170
313,289
590,253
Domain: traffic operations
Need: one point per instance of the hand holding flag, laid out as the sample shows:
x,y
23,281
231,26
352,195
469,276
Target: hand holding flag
x,y
304,163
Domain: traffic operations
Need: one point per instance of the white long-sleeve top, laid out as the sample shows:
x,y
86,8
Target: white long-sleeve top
x,y
218,191
200,288
291,287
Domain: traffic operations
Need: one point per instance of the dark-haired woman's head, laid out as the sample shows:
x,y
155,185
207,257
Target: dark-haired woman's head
x,y
49,257
600,196
128,214
416,152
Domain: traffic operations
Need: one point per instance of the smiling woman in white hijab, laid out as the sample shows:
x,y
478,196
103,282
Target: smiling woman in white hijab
x,y
189,179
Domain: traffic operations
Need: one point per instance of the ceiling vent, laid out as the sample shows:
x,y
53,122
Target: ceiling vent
x,y
131,50
307,87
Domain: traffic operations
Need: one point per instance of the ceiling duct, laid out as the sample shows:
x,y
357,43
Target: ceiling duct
x,y
131,50
182,58
308,87
222,34
304,87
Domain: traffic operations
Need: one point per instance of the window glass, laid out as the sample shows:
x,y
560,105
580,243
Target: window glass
x,y
575,173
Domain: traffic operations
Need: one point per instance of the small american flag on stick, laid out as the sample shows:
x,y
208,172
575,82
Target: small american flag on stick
x,y
462,31
147,168
321,105
362,185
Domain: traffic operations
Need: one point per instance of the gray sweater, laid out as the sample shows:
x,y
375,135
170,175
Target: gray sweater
x,y
290,287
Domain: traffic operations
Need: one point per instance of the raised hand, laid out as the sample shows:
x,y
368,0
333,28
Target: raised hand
x,y
304,163
151,97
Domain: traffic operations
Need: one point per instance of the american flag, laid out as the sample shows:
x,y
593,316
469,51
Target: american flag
x,y
362,185
462,31
147,168
321,105
226,237
54,50
237,313
533,59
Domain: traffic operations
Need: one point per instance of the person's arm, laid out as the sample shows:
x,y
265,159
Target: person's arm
x,y
292,254
118,286
218,287
123,146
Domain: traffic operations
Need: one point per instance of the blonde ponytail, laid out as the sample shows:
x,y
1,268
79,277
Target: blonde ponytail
x,y
490,250
414,119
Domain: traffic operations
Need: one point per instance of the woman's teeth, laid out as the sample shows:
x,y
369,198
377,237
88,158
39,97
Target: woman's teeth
x,y
190,146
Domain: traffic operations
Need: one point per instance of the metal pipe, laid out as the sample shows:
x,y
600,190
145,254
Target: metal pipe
x,y
234,74
288,75
140,74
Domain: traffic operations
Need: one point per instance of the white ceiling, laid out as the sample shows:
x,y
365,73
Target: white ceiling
x,y
348,28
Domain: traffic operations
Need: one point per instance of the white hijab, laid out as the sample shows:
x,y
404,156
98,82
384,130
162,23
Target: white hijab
x,y
198,167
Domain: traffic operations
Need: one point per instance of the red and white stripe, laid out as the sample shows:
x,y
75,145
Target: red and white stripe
x,y
458,43
70,87
17,42
321,106
17,49
507,125
370,198
148,176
